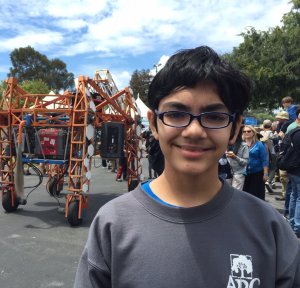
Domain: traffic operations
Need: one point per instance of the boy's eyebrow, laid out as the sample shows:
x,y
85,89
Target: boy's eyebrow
x,y
214,107
175,105
183,107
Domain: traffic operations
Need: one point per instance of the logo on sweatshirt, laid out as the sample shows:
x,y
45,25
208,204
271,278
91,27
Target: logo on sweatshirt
x,y
242,272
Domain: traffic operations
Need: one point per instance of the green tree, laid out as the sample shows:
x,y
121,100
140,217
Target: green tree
x,y
28,64
139,83
272,59
2,88
59,76
35,86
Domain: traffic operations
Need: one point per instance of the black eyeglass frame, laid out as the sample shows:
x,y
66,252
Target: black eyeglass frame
x,y
231,118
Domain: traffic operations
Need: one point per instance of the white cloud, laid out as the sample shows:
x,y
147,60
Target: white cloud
x,y
40,39
135,26
75,8
124,28
121,78
71,24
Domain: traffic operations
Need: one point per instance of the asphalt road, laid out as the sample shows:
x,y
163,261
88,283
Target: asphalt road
x,y
38,248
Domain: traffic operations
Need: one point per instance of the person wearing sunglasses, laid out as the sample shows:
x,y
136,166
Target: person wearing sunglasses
x,y
257,170
188,227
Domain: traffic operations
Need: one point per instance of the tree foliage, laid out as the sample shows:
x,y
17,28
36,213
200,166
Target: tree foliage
x,y
2,88
35,86
139,83
272,59
30,86
28,64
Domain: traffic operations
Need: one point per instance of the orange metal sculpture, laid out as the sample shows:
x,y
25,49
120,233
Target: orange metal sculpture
x,y
74,117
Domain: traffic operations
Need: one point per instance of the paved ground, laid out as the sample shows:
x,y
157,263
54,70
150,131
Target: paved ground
x,y
38,247
279,205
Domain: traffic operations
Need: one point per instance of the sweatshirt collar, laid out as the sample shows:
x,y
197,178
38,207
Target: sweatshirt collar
x,y
185,215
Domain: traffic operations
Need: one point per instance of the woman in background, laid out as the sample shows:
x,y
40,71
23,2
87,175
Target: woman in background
x,y
257,170
237,155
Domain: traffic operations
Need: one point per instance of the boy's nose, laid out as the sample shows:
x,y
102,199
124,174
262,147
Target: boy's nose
x,y
195,128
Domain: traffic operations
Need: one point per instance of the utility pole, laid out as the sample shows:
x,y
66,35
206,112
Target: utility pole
x,y
156,66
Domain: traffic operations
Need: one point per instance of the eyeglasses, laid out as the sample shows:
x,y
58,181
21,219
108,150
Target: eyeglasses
x,y
210,120
247,131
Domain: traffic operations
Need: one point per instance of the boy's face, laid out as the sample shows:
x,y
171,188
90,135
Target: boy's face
x,y
285,104
192,149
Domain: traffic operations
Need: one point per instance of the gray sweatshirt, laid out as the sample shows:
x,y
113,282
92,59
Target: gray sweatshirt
x,y
234,241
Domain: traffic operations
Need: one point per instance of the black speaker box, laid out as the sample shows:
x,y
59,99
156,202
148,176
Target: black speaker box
x,y
112,140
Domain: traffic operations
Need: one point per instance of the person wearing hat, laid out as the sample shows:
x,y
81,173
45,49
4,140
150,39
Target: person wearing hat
x,y
267,139
267,132
284,121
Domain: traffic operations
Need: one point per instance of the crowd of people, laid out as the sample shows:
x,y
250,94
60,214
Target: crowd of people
x,y
253,161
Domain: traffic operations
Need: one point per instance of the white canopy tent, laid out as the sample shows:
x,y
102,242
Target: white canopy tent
x,y
143,111
50,98
142,106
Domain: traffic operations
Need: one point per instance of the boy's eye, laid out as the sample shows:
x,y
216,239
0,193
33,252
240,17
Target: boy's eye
x,y
217,117
176,114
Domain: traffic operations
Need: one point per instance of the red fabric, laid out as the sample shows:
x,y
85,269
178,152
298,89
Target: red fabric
x,y
119,173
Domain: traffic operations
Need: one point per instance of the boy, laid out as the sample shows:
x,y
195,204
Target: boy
x,y
287,104
188,228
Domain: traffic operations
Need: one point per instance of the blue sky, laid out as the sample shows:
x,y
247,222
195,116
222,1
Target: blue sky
x,y
125,35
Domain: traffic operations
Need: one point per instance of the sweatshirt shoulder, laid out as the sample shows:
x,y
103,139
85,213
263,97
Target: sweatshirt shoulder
x,y
120,205
262,217
251,204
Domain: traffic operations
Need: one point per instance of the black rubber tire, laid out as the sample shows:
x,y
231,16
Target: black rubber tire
x,y
53,187
73,214
6,203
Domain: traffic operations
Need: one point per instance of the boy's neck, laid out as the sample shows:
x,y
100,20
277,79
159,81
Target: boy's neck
x,y
184,191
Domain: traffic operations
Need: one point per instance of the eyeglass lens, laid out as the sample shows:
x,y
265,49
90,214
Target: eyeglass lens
x,y
209,120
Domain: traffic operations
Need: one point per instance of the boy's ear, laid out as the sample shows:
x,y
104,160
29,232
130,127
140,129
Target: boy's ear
x,y
235,130
152,118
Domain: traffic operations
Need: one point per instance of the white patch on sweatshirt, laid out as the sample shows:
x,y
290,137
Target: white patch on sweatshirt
x,y
242,272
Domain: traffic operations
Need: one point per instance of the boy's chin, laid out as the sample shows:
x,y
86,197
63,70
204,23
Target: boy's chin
x,y
193,171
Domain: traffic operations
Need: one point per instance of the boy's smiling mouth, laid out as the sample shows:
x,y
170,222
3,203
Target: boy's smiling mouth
x,y
192,151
